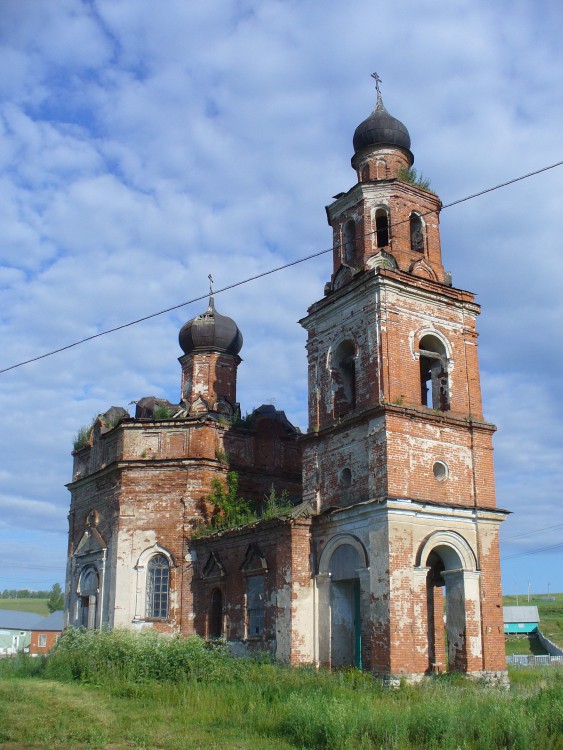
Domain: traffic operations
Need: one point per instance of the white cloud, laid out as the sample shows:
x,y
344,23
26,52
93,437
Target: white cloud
x,y
141,151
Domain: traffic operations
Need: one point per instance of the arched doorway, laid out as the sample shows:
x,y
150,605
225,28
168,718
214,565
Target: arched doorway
x,y
345,610
87,597
451,582
342,565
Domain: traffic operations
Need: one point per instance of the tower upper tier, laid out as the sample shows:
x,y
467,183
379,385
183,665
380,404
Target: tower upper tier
x,y
388,218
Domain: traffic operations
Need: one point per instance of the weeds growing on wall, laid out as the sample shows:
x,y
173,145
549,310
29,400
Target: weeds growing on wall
x,y
161,412
409,174
83,436
233,511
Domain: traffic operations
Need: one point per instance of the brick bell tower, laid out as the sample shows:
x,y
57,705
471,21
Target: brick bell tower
x,y
398,458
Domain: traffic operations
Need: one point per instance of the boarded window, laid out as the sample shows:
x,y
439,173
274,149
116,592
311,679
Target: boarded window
x,y
255,605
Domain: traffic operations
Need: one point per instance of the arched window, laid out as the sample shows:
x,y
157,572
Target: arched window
x,y
216,614
344,372
158,587
380,169
417,233
349,239
434,386
382,227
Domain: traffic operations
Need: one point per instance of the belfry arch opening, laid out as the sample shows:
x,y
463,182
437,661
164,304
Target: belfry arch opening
x,y
349,241
446,611
434,381
382,227
344,375
417,233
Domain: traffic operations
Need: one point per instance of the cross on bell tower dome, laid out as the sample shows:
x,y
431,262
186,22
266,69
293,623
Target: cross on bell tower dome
x,y
381,144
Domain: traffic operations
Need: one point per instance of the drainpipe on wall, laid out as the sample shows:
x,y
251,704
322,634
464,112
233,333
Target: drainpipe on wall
x,y
102,587
475,504
315,604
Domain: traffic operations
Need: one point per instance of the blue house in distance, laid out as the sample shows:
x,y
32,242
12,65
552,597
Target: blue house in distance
x,y
521,619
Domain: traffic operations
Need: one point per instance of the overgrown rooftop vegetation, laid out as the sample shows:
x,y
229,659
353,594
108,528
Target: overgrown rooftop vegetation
x,y
411,175
233,511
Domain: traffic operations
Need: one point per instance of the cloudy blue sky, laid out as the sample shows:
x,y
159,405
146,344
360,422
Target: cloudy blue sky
x,y
145,145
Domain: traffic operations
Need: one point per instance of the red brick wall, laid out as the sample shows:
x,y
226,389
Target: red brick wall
x,y
210,375
35,649
285,547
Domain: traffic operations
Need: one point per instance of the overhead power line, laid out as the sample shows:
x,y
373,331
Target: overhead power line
x,y
530,533
258,276
533,551
162,312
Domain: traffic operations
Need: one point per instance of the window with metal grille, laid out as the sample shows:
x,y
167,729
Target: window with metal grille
x,y
158,587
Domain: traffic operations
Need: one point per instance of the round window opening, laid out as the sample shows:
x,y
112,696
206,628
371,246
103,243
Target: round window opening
x,y
440,470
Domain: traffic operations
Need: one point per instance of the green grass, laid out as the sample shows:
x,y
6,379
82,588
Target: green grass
x,y
281,711
121,690
38,606
524,645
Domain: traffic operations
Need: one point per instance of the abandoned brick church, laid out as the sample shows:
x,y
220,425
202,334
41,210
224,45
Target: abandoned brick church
x,y
388,558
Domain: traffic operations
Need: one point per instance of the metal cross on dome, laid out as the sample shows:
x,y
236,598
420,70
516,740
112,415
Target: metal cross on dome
x,y
210,277
377,80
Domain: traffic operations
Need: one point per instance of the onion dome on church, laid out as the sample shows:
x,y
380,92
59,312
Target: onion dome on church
x,y
381,129
210,331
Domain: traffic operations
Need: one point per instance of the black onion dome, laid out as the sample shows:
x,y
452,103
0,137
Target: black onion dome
x,y
210,331
381,129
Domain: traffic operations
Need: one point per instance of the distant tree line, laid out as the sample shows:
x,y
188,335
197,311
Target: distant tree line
x,y
24,594
55,597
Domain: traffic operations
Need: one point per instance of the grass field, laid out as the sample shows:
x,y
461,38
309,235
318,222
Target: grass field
x,y
551,623
118,691
39,606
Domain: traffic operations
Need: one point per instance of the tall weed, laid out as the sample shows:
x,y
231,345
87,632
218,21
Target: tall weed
x,y
125,656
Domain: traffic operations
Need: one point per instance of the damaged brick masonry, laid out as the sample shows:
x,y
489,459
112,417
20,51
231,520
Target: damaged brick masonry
x,y
388,559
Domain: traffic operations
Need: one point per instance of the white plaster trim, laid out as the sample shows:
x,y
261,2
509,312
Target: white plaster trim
x,y
416,336
149,552
338,541
453,541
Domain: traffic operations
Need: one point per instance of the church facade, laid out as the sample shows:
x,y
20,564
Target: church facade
x,y
388,559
